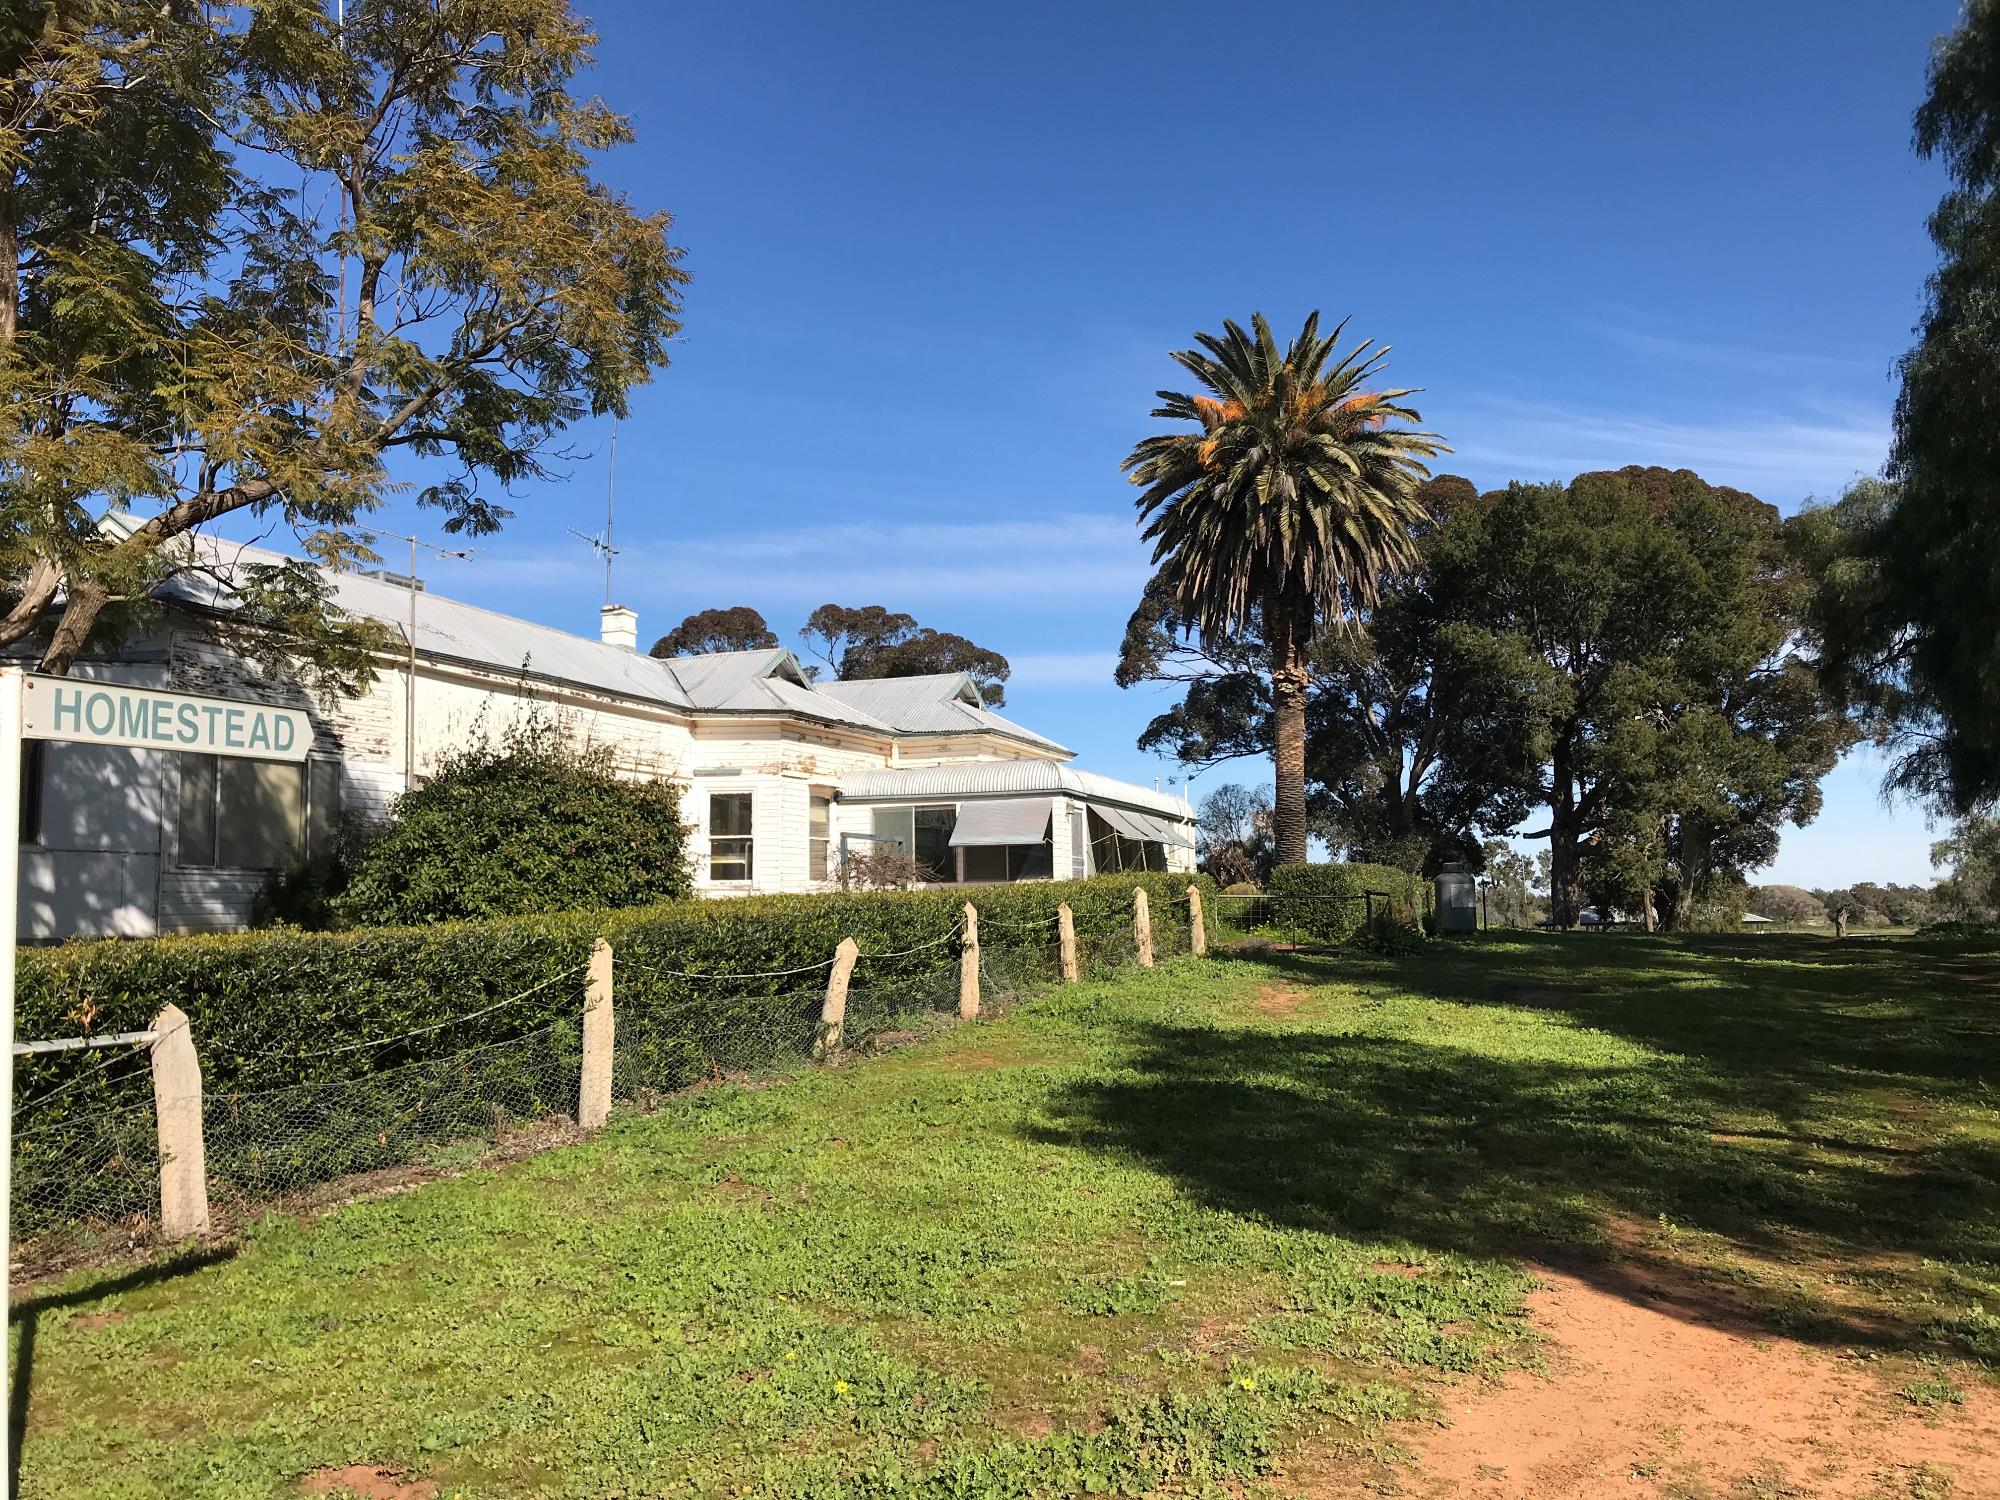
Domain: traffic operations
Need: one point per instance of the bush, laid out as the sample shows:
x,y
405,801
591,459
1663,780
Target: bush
x,y
292,1100
1330,903
530,826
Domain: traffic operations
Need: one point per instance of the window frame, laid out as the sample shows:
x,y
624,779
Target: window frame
x,y
819,833
305,844
748,841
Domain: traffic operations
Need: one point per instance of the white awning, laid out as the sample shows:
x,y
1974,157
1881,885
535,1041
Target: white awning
x,y
1144,828
1015,821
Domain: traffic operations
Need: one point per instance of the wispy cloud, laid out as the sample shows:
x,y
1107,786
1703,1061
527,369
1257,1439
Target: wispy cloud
x,y
1747,357
1063,669
904,565
1780,457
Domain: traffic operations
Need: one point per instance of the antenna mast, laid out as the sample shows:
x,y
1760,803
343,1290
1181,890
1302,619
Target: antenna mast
x,y
610,495
601,543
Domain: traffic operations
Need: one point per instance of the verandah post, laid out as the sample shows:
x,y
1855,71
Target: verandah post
x,y
177,1115
968,967
1142,928
1066,935
833,1014
1197,933
593,1106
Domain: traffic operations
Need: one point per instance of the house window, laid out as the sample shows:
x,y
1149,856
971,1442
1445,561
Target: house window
x,y
1001,862
822,809
255,814
933,850
729,839
893,825
33,759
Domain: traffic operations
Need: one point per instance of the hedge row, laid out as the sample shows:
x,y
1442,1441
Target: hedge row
x,y
292,1099
1330,903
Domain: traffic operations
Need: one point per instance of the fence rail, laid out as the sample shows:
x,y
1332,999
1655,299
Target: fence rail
x,y
621,1033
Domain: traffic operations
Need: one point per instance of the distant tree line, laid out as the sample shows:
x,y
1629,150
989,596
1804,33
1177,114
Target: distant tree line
x,y
854,644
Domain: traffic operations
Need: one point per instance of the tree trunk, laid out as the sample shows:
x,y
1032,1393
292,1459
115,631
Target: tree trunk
x,y
1565,868
1288,714
87,599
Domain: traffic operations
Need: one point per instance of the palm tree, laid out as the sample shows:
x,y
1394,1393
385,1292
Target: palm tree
x,y
1293,502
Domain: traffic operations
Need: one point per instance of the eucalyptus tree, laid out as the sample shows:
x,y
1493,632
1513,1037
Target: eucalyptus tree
x,y
1906,564
252,257
1286,507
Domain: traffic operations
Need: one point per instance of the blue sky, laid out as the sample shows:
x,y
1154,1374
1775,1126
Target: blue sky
x,y
940,253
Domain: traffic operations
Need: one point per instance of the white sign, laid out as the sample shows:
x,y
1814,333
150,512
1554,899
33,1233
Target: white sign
x,y
111,713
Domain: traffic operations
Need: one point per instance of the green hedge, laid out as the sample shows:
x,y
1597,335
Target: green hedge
x,y
292,1101
1330,903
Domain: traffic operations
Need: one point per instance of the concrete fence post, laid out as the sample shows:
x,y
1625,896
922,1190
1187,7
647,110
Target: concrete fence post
x,y
833,1013
968,967
177,1111
1066,934
1197,933
1142,928
593,1105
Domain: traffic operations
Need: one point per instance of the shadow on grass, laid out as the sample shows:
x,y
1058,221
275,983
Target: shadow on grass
x,y
1756,1112
25,1316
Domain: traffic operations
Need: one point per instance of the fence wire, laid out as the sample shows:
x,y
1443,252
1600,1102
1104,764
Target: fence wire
x,y
501,1077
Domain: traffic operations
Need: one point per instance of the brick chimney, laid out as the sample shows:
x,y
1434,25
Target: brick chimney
x,y
619,626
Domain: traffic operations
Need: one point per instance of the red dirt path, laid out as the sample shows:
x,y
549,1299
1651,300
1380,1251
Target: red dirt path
x,y
1661,1393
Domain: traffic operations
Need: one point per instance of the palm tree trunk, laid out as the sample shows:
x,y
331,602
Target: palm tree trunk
x,y
1288,704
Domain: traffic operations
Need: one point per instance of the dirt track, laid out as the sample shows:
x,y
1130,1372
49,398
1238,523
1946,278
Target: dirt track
x,y
1655,1391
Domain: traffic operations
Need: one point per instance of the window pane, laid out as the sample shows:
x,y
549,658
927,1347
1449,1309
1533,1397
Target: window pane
x,y
822,805
33,763
1029,862
933,842
894,823
986,862
260,822
729,859
322,804
729,842
197,819
729,815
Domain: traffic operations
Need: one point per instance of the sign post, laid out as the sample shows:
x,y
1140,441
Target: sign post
x,y
11,681
99,713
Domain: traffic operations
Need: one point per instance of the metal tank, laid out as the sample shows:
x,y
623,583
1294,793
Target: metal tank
x,y
1457,900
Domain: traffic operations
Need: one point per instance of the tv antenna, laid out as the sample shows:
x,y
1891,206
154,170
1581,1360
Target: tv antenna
x,y
601,543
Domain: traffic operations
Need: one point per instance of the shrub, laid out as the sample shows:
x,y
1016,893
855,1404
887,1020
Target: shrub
x,y
1331,902
303,894
531,825
298,1092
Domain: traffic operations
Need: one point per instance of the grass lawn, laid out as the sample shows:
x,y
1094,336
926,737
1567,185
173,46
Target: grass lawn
x,y
1174,1229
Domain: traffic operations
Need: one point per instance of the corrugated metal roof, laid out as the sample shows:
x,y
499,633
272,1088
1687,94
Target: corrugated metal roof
x,y
451,630
940,703
1009,778
767,681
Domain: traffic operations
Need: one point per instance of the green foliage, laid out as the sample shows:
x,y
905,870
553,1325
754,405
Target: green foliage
x,y
267,249
1649,620
528,825
284,1010
1412,747
1786,903
873,642
739,628
1291,502
1331,902
1934,549
1971,892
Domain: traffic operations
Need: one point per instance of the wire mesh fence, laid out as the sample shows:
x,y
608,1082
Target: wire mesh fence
x,y
317,1121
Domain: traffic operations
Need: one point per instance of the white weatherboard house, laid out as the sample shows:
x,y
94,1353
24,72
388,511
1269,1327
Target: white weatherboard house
x,y
781,773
